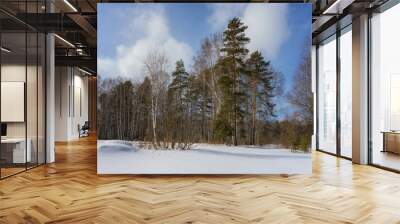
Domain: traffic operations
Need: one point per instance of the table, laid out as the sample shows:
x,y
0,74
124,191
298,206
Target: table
x,y
13,150
391,141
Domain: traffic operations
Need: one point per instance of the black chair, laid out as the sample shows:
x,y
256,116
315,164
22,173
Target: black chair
x,y
84,130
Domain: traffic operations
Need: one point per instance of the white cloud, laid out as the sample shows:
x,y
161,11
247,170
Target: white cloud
x,y
267,24
267,27
222,13
106,66
153,24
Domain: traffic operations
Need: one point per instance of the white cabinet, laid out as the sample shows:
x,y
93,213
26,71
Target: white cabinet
x,y
19,155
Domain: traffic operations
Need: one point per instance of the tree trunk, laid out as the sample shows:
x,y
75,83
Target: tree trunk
x,y
235,86
254,112
154,118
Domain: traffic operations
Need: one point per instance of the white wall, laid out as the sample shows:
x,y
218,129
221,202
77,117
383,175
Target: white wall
x,y
79,117
62,82
17,73
12,73
70,83
13,101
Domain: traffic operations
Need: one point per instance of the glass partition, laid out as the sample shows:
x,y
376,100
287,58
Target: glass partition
x,y
31,99
22,88
385,89
327,95
13,109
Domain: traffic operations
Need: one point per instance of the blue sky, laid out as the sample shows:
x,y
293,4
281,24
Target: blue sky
x,y
126,32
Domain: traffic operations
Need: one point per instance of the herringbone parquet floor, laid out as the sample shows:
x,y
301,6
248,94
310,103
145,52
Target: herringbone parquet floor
x,y
70,191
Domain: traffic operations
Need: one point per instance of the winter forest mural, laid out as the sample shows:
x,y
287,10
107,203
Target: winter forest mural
x,y
204,88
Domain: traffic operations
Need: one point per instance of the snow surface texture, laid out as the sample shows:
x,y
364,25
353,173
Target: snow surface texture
x,y
121,157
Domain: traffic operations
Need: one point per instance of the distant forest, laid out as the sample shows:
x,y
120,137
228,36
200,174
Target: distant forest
x,y
229,96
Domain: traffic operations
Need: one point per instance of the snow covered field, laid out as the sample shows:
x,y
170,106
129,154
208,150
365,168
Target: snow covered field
x,y
118,157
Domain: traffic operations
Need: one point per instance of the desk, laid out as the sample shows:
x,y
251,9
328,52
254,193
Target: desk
x,y
13,150
391,141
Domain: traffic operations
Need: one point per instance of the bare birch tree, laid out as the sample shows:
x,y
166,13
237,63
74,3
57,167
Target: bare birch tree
x,y
155,66
205,69
213,54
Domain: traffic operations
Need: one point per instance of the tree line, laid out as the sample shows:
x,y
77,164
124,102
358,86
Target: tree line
x,y
229,96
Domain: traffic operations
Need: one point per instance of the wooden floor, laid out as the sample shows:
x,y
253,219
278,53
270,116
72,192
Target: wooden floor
x,y
70,191
5,172
387,159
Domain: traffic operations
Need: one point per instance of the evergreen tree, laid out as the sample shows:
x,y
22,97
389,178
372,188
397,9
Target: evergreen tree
x,y
195,103
179,87
261,87
204,70
231,81
178,103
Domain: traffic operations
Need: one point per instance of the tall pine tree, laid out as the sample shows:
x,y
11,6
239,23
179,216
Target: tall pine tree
x,y
260,78
179,83
178,100
231,82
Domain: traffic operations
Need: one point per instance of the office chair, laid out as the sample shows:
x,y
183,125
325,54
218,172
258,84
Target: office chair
x,y
84,130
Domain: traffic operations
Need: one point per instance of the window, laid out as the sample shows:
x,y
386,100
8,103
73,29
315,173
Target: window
x,y
385,89
346,92
327,95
